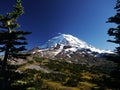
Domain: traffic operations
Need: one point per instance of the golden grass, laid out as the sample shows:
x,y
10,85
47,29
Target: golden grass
x,y
86,85
57,86
87,75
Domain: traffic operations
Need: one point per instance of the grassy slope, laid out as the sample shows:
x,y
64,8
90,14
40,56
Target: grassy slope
x,y
64,76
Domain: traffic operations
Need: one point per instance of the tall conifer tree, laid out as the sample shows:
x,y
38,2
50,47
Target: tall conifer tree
x,y
115,32
12,42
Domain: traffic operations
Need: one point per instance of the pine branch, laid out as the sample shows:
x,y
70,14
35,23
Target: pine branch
x,y
19,43
3,27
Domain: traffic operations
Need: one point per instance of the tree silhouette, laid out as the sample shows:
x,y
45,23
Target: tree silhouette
x,y
115,32
12,42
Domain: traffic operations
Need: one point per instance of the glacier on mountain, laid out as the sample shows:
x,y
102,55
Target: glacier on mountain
x,y
69,40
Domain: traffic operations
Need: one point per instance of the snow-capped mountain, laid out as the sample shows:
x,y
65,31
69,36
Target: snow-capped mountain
x,y
69,40
65,39
66,45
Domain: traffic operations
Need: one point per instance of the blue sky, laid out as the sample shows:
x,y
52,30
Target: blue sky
x,y
85,19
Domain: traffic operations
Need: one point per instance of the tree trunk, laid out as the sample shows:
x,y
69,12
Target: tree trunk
x,y
4,64
4,71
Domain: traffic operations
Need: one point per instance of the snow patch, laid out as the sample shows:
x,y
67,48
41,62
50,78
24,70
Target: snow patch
x,y
69,40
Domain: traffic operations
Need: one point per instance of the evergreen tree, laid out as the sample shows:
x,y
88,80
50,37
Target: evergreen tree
x,y
12,42
115,32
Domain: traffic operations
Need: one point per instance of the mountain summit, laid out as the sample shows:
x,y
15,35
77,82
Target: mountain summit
x,y
68,47
65,39
71,41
